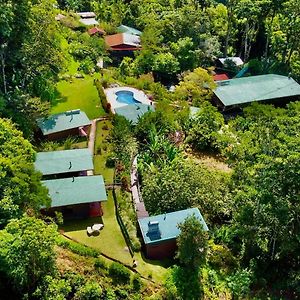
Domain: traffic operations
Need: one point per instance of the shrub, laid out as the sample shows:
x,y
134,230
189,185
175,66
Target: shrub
x,y
136,245
87,66
90,291
75,280
48,146
119,273
136,282
128,216
100,264
110,162
77,248
99,149
121,293
106,106
68,143
124,183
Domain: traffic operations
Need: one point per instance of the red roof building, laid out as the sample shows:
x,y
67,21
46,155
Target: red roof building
x,y
96,30
219,77
123,42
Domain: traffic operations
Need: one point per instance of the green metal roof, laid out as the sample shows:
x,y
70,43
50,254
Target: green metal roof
x,y
133,112
76,190
65,161
130,30
63,121
256,88
167,225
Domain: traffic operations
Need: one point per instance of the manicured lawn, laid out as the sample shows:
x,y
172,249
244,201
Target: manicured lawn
x,y
78,93
102,151
110,241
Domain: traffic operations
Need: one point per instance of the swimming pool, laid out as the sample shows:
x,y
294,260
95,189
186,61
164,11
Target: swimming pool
x,y
126,97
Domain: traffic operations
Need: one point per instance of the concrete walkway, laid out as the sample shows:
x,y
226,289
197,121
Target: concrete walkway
x,y
135,191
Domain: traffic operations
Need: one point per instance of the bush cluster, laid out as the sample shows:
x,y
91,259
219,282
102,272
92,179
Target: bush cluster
x,y
77,248
128,216
119,273
105,104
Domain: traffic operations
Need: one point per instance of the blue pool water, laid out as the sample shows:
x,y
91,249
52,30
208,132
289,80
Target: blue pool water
x,y
126,97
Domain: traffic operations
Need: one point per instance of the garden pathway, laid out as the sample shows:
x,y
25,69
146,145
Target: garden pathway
x,y
135,191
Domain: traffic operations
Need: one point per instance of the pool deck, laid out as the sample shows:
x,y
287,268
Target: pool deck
x,y
112,97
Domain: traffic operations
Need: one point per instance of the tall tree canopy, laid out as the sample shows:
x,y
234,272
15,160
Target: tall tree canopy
x,y
27,252
20,186
30,59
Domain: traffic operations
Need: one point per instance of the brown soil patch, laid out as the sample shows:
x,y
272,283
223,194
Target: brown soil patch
x,y
210,160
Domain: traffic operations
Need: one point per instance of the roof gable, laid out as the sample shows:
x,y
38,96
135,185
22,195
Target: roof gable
x,y
166,225
132,112
76,190
123,39
237,60
130,30
256,88
65,161
63,121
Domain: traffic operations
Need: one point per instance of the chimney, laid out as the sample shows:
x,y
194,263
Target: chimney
x,y
153,227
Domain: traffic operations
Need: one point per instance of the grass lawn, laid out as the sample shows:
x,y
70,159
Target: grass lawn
x,y
111,241
79,93
100,156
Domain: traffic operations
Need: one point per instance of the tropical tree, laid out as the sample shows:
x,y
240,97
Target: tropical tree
x,y
182,184
165,63
27,252
204,127
196,86
20,186
192,243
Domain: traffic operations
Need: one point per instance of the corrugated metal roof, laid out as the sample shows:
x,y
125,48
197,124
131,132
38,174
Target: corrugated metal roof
x,y
76,190
132,112
89,21
256,88
167,225
130,30
123,40
63,121
65,161
237,60
87,14
131,40
95,30
223,76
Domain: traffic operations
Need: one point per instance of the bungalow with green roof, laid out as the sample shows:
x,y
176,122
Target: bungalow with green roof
x,y
130,30
133,112
64,163
270,88
76,197
159,233
69,123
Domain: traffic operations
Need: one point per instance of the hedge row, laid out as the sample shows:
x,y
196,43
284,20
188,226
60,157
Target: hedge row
x,y
77,247
105,104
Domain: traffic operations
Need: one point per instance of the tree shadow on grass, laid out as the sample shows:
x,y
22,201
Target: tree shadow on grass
x,y
57,98
165,263
80,224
